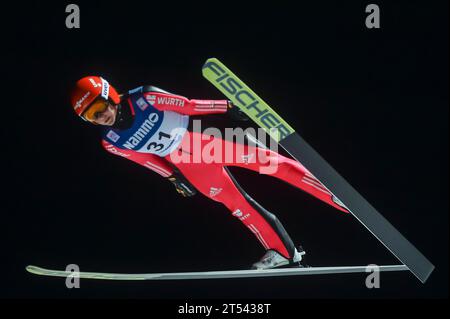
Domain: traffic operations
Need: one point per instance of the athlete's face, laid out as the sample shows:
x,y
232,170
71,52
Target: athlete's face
x,y
101,112
107,117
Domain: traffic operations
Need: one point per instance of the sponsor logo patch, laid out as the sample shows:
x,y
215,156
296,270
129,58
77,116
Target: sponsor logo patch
x,y
80,101
113,136
151,98
105,89
142,104
213,191
95,84
170,101
237,213
112,149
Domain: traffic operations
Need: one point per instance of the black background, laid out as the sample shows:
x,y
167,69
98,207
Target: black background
x,y
374,103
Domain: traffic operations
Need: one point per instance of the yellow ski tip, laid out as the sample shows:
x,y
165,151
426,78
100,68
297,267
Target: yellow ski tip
x,y
32,269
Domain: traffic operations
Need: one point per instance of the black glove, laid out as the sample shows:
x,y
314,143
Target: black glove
x,y
182,185
235,113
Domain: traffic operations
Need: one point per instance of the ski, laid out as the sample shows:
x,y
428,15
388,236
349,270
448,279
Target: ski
x,y
215,274
263,115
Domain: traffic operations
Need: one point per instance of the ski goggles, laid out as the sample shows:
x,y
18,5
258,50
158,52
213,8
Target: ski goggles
x,y
98,106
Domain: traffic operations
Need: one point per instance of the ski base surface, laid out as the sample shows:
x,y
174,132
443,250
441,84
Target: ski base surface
x,y
216,274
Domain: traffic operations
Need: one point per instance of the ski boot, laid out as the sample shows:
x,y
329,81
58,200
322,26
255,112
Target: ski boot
x,y
273,259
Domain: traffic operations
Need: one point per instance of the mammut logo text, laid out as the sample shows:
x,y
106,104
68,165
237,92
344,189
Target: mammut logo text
x,y
142,132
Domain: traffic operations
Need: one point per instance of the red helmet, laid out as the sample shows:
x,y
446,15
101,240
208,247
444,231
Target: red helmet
x,y
88,89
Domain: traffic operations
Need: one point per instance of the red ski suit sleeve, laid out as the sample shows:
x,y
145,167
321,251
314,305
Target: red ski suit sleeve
x,y
182,105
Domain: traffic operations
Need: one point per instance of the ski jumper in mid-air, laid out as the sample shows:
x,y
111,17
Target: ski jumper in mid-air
x,y
152,127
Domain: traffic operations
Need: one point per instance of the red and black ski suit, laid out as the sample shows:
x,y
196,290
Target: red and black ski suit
x,y
212,178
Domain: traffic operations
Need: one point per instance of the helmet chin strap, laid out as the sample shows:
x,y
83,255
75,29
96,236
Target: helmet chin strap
x,y
118,114
124,118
